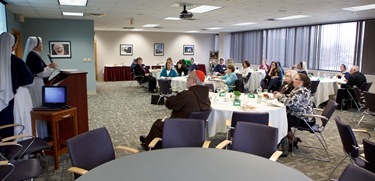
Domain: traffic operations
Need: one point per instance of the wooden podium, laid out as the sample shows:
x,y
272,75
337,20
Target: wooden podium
x,y
77,94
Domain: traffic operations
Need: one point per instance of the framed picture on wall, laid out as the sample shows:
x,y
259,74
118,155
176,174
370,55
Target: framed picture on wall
x,y
188,49
159,49
60,49
126,49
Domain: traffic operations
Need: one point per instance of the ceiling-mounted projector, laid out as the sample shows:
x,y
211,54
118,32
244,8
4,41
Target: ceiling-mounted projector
x,y
185,14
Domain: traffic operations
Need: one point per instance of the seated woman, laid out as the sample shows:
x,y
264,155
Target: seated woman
x,y
343,72
168,71
139,69
264,65
181,68
273,79
287,85
229,78
298,103
245,70
301,67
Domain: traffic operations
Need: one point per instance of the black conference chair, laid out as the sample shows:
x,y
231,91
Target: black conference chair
x,y
369,151
255,139
181,132
252,117
19,170
210,87
365,87
165,89
91,149
203,115
245,81
314,87
369,104
353,172
349,143
318,129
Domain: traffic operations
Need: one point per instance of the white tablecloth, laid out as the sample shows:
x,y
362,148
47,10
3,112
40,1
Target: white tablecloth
x,y
327,88
222,111
255,79
179,83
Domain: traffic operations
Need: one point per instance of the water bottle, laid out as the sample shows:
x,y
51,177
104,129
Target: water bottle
x,y
259,98
182,73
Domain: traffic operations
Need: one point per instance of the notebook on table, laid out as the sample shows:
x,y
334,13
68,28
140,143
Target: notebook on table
x,y
53,98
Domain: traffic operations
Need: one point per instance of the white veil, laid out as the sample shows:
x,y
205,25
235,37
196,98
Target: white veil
x,y
31,43
304,66
6,90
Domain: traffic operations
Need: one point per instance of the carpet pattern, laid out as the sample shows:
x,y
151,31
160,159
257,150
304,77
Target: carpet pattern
x,y
127,113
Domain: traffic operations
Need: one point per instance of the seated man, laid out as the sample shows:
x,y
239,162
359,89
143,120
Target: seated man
x,y
220,68
139,69
192,66
356,78
183,104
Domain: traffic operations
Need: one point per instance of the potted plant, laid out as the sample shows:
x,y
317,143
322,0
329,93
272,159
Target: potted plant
x,y
237,95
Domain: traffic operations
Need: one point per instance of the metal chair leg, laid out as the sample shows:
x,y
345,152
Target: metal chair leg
x,y
330,175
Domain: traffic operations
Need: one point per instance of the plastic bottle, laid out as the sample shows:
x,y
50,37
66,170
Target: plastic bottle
x,y
182,73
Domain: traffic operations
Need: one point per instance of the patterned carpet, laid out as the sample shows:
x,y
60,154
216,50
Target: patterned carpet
x,y
127,113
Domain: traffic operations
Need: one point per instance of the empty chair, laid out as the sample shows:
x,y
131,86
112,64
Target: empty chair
x,y
253,117
91,149
181,132
369,104
365,87
239,76
165,89
353,172
369,151
255,139
349,143
210,87
203,115
318,129
314,86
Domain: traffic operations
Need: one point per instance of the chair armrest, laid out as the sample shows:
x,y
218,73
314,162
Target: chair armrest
x,y
223,144
227,122
10,125
77,170
276,155
4,162
362,131
315,116
124,148
206,144
8,143
16,137
154,142
318,109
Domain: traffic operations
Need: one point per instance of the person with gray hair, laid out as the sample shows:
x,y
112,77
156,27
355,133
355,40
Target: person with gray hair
x,y
287,85
356,78
182,105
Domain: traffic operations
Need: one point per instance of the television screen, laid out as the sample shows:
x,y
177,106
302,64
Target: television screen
x,y
3,18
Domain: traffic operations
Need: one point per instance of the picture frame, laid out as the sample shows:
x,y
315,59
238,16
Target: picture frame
x,y
158,49
126,49
188,49
60,49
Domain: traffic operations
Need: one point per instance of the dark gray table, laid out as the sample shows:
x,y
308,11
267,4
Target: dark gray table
x,y
180,164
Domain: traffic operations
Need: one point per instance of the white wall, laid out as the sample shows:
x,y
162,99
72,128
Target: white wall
x,y
108,47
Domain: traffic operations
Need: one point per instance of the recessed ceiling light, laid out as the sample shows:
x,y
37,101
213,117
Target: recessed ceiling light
x,y
204,9
360,8
150,25
192,32
72,14
214,28
292,17
172,18
136,29
244,24
73,2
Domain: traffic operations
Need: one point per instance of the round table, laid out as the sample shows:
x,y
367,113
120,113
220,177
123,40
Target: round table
x,y
179,83
326,89
255,79
185,164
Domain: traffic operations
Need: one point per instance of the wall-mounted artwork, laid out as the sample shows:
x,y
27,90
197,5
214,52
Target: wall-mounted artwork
x,y
60,49
188,49
126,49
159,49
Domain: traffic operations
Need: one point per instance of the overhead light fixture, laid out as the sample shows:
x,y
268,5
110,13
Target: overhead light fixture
x,y
360,8
172,18
244,24
73,2
72,14
204,9
136,29
192,32
150,25
292,17
214,28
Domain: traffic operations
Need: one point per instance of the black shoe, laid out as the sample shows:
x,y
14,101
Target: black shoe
x,y
144,146
142,139
295,144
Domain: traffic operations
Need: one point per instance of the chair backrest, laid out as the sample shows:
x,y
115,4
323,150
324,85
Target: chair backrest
x,y
370,101
5,171
239,76
328,111
314,86
210,87
353,172
255,139
203,115
365,87
165,87
180,132
247,77
348,139
238,86
91,149
369,151
252,117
